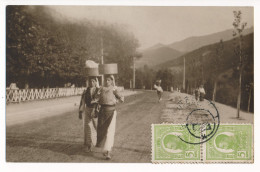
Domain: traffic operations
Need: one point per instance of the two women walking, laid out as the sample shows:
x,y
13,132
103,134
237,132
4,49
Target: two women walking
x,y
106,98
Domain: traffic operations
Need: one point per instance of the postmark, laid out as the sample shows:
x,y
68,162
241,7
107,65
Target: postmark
x,y
231,143
201,116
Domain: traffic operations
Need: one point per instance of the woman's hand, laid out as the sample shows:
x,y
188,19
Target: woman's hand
x,y
80,114
114,83
118,95
97,83
93,101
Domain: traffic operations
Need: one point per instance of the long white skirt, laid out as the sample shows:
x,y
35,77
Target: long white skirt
x,y
89,126
109,141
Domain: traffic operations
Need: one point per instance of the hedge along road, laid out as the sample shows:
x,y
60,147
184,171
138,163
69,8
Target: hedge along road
x,y
60,138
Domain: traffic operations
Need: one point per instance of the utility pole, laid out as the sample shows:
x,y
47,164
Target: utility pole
x,y
102,60
183,83
133,73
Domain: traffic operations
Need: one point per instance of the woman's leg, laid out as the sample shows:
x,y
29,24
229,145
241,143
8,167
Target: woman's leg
x,y
202,96
109,141
159,96
89,130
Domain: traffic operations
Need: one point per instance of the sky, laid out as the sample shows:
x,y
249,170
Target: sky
x,y
154,24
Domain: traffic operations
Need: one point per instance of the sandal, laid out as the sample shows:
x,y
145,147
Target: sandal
x,y
88,149
107,155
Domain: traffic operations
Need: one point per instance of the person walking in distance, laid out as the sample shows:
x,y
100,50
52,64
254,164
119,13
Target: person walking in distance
x,y
107,97
88,109
159,89
197,93
202,92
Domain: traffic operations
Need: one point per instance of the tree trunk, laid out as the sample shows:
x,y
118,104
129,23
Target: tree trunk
x,y
240,78
214,91
239,93
184,80
249,98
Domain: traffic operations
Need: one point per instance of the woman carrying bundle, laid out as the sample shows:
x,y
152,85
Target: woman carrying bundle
x,y
89,108
90,117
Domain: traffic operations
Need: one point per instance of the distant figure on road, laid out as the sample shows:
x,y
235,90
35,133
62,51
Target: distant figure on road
x,y
202,92
159,89
107,97
197,93
90,117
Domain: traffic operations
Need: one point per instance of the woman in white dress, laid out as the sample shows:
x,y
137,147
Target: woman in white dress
x,y
107,98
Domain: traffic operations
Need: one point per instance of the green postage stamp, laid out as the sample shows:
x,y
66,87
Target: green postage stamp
x,y
197,143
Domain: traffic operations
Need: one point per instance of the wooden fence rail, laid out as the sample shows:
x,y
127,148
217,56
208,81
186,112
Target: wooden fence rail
x,y
20,95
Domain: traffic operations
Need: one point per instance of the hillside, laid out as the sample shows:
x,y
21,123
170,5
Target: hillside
x,y
196,42
201,69
159,45
156,55
208,52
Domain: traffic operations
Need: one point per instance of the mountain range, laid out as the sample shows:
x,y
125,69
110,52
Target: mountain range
x,y
161,53
156,55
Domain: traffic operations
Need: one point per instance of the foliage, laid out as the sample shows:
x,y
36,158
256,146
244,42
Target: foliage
x,y
43,51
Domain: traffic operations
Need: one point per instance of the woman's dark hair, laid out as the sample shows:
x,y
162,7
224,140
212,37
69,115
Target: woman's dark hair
x,y
92,78
110,76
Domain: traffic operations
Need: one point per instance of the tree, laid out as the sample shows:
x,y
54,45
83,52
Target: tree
x,y
43,51
23,37
238,32
217,66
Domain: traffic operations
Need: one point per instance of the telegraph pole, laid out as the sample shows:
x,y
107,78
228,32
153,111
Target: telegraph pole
x,y
183,83
133,73
102,60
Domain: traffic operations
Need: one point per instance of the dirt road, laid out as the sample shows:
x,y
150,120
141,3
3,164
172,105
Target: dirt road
x,y
59,138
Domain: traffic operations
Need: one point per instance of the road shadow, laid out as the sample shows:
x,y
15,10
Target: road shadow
x,y
239,119
133,150
63,147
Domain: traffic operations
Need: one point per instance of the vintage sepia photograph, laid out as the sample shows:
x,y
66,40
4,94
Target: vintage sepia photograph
x,y
129,84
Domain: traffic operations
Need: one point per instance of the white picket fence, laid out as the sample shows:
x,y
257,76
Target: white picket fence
x,y
20,95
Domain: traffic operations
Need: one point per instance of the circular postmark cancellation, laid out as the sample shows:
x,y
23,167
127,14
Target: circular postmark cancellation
x,y
202,121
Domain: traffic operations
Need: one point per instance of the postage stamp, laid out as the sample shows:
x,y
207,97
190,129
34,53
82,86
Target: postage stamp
x,y
174,143
168,147
232,143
